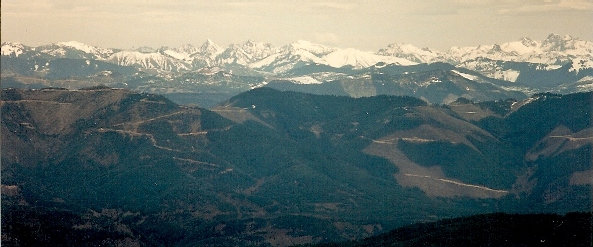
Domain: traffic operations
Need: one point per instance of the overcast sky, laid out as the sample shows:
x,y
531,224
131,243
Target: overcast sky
x,y
367,25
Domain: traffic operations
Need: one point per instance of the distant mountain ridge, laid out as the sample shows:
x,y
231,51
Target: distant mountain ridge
x,y
209,74
554,51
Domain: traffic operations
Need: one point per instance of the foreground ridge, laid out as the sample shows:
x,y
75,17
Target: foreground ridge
x,y
268,167
572,229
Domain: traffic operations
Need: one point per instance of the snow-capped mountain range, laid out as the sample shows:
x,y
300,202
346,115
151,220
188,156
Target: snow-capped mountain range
x,y
498,61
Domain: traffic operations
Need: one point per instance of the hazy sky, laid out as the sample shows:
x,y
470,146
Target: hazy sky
x,y
367,25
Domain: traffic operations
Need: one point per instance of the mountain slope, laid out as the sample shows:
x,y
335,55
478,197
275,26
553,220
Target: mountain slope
x,y
279,168
435,83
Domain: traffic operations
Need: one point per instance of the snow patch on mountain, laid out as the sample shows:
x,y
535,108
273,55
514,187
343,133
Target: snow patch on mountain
x,y
585,83
98,53
246,53
78,46
359,59
210,70
178,55
147,61
585,87
522,47
554,50
411,53
586,78
313,48
304,80
209,49
205,55
290,56
182,53
581,65
12,49
548,67
507,75
489,60
55,52
466,76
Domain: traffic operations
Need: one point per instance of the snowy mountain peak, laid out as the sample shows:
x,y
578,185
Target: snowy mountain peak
x,y
209,45
251,46
181,53
410,52
209,48
187,49
78,45
313,48
12,49
95,52
556,42
495,48
360,59
553,52
553,37
148,60
245,53
205,56
527,42
401,47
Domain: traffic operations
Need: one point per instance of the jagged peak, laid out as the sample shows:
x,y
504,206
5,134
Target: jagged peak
x,y
528,42
209,43
555,36
209,47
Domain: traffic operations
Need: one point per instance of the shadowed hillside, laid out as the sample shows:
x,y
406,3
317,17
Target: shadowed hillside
x,y
574,229
281,168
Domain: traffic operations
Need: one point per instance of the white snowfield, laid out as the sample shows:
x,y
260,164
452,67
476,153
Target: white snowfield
x,y
147,60
98,52
359,59
551,53
12,49
466,76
